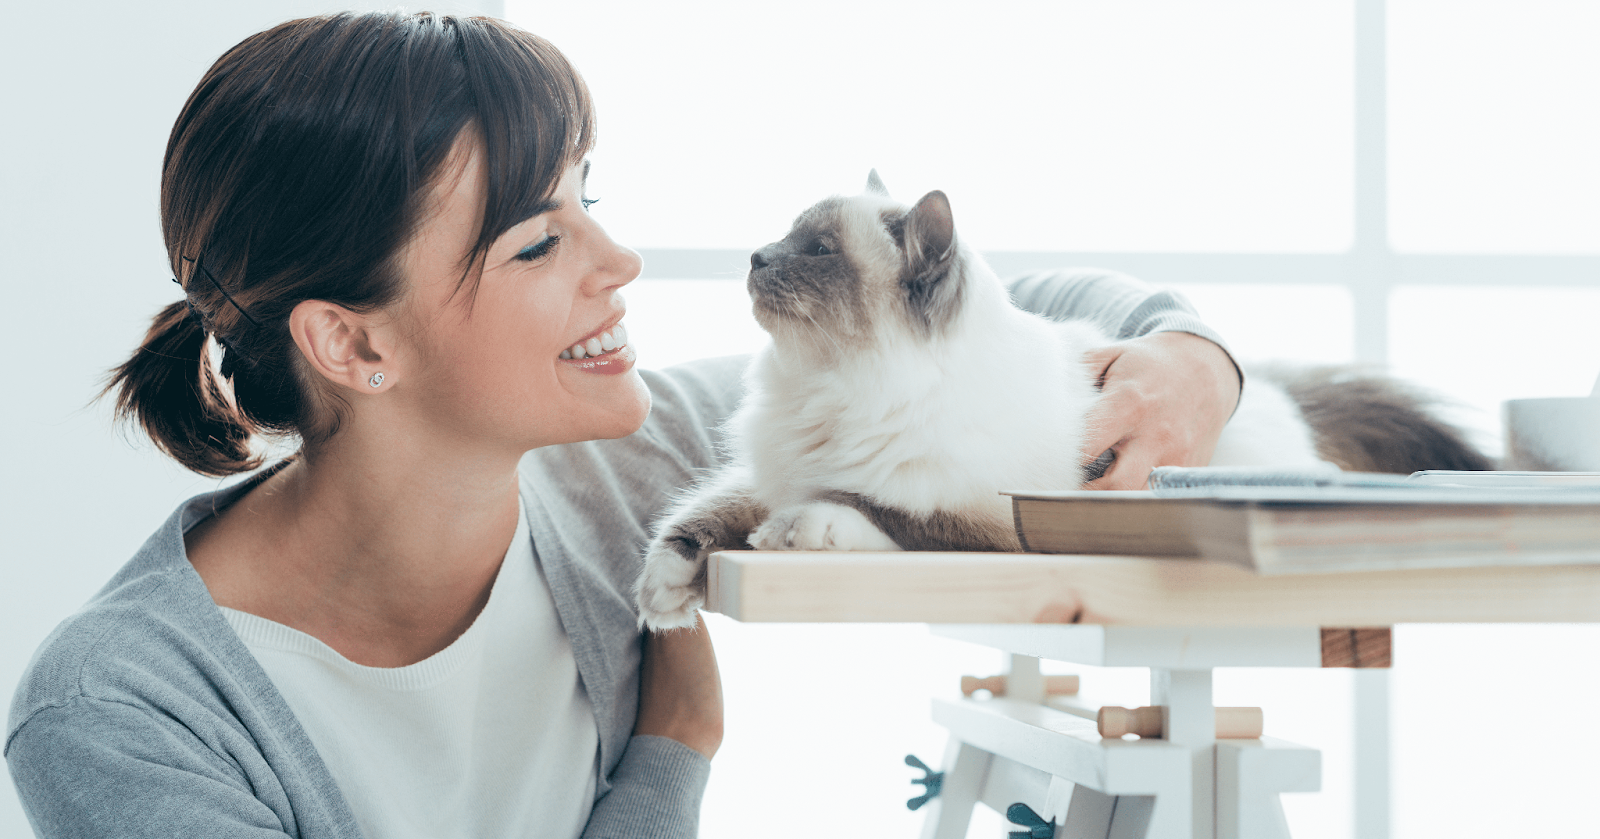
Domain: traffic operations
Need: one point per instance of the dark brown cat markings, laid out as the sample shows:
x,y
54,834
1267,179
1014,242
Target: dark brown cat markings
x,y
939,531
1366,422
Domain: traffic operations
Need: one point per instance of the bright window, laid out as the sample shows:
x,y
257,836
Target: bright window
x,y
1143,125
1494,119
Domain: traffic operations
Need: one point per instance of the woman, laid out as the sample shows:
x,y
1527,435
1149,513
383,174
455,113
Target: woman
x,y
380,229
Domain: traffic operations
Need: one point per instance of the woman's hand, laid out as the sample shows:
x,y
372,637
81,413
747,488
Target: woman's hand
x,y
1165,398
680,690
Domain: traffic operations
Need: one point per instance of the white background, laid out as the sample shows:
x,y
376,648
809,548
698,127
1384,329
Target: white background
x,y
1221,127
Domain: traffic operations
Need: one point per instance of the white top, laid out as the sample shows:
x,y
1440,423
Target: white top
x,y
492,736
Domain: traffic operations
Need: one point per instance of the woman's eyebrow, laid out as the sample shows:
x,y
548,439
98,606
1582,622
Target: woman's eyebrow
x,y
550,205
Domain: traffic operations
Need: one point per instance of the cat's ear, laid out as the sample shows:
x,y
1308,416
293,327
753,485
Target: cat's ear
x,y
930,234
932,281
875,184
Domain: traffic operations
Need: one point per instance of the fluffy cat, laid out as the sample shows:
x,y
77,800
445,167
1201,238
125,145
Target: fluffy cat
x,y
902,390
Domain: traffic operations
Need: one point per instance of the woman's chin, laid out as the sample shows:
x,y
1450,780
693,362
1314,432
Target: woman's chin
x,y
615,409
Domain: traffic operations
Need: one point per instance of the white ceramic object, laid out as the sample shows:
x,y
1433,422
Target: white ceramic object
x,y
1553,435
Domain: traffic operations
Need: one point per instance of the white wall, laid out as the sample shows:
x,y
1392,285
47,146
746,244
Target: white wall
x,y
92,89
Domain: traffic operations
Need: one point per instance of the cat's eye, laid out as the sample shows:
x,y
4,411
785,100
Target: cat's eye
x,y
820,248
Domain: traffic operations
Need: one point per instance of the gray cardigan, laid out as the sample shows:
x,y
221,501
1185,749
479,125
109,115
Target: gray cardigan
x,y
145,715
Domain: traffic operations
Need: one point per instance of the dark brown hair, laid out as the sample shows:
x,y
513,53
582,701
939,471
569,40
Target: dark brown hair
x,y
297,170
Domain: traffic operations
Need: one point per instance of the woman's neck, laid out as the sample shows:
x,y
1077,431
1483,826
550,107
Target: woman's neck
x,y
386,555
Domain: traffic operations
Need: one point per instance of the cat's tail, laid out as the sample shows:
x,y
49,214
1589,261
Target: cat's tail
x,y
1365,421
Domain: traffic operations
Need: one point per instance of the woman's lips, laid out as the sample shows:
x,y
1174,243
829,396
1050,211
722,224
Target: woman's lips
x,y
619,360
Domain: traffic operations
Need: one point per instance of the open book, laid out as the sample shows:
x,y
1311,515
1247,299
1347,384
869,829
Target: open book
x,y
1308,522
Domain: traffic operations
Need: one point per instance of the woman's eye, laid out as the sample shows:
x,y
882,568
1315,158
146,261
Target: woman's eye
x,y
538,250
589,202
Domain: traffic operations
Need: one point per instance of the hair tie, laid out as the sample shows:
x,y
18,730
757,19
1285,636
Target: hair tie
x,y
225,295
194,314
232,353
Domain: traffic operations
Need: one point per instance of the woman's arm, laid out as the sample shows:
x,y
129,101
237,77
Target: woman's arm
x,y
1169,384
680,690
658,786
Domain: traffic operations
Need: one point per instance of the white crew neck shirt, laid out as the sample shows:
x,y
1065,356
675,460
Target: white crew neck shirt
x,y
490,737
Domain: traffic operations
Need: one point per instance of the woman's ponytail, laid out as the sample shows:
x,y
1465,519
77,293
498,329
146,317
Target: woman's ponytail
x,y
171,389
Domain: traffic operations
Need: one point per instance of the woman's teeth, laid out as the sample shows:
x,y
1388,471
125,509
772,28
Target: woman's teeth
x,y
603,343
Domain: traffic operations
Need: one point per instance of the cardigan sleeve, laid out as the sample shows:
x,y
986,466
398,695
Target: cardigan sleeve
x,y
1122,305
655,793
96,767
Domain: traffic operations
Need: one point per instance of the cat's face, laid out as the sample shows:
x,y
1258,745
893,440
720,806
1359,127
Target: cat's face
x,y
855,272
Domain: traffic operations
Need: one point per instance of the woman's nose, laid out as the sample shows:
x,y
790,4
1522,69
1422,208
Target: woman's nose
x,y
616,265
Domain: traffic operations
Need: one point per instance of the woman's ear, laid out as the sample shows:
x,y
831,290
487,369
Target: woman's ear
x,y
344,347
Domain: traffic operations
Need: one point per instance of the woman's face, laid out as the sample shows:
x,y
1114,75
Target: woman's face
x,y
490,367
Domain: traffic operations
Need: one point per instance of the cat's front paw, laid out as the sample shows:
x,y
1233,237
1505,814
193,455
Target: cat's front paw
x,y
820,526
671,588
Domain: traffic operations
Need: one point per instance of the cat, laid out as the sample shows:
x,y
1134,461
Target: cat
x,y
903,389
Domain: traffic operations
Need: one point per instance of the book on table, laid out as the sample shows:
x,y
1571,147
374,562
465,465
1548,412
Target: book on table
x,y
1278,522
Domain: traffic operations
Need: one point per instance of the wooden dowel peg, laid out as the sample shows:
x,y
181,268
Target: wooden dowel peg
x,y
1232,723
1116,721
1357,646
1060,685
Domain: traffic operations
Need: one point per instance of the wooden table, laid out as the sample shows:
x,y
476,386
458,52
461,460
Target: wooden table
x,y
1180,618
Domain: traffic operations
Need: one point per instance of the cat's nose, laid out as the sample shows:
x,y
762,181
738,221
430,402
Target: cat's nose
x,y
762,258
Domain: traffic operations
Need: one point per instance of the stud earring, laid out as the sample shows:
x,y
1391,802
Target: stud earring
x,y
377,379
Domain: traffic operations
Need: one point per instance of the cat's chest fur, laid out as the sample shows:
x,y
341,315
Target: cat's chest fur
x,y
998,401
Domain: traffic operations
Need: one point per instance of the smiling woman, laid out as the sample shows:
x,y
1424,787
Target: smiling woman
x,y
380,228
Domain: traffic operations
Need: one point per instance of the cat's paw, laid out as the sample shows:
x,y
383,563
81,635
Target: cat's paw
x,y
670,588
820,526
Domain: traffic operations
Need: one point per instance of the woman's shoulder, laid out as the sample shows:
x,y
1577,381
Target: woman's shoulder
x,y
152,631
146,701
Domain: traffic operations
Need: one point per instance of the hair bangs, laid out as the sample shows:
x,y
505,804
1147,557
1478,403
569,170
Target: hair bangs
x,y
534,117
